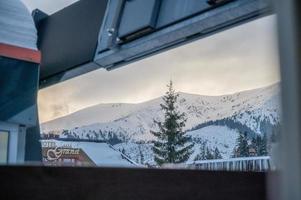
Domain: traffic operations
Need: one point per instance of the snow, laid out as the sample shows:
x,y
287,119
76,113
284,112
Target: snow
x,y
221,137
100,153
102,113
215,136
132,123
134,151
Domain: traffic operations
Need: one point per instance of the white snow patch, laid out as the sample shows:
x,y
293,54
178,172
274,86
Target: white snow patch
x,y
221,137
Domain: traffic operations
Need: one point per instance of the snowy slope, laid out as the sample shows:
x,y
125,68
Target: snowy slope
x,y
221,137
140,153
214,136
128,126
101,113
133,122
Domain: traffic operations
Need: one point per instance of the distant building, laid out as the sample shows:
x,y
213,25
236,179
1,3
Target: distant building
x,y
72,153
252,151
66,156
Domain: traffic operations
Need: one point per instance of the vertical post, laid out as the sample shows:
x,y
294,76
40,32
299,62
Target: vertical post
x,y
289,161
33,149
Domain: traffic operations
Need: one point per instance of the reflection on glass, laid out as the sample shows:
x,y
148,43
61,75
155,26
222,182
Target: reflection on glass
x,y
3,147
220,112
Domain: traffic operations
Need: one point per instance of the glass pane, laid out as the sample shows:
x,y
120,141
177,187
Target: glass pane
x,y
3,146
219,111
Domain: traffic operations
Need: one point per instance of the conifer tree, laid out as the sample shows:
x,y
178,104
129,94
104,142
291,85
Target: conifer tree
x,y
209,154
217,154
262,146
141,155
242,145
172,145
123,151
202,152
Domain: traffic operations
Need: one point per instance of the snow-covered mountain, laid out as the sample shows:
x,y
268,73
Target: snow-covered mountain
x,y
101,113
134,121
211,118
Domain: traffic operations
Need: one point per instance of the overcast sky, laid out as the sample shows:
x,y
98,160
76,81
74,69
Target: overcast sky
x,y
238,59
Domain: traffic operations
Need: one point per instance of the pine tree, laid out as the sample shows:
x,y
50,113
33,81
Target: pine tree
x,y
255,143
262,146
209,155
242,145
65,132
202,154
172,145
123,151
141,156
217,154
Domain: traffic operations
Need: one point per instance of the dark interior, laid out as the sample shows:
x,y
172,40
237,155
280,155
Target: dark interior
x,y
48,183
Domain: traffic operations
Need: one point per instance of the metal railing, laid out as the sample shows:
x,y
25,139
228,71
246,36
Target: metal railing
x,y
262,163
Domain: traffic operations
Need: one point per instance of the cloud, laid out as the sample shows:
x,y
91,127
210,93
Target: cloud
x,y
58,110
241,58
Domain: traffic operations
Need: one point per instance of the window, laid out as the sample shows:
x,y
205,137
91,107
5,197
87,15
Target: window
x,y
227,87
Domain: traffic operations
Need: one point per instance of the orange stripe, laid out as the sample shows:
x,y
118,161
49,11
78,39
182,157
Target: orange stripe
x,y
20,53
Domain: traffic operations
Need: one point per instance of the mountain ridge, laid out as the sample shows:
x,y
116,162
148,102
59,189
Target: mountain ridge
x,y
199,109
212,120
156,98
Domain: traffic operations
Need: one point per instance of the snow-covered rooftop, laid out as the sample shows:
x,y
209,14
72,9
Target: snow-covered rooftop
x,y
17,27
100,153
